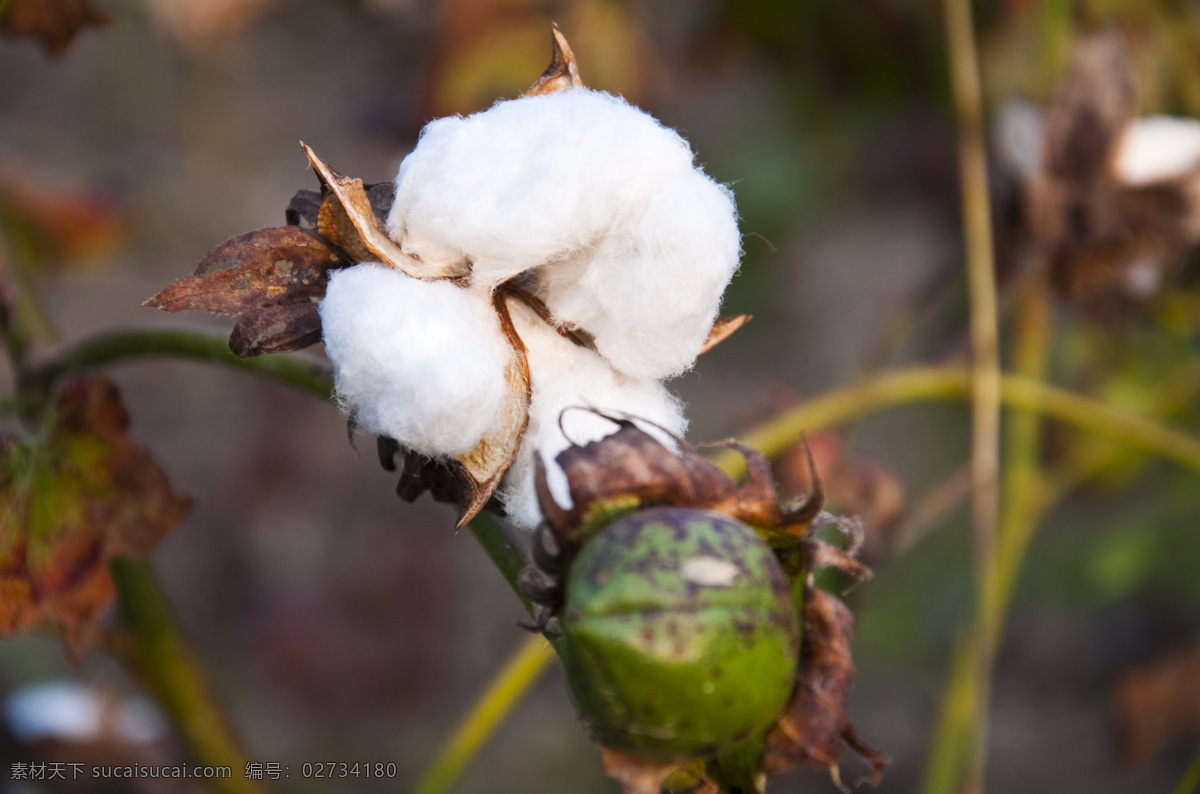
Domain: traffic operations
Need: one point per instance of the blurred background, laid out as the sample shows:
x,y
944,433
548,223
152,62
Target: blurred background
x,y
340,624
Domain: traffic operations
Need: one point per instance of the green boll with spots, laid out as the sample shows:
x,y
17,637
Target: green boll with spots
x,y
680,636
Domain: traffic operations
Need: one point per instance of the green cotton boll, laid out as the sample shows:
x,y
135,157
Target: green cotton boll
x,y
680,634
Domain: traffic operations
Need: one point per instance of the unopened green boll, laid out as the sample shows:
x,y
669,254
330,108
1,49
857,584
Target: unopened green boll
x,y
680,634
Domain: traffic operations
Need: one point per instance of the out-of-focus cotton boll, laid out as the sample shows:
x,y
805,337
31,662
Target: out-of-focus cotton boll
x,y
649,296
420,361
563,375
1154,148
531,181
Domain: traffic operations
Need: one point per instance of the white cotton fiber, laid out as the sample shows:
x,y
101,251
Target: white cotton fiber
x,y
649,296
564,375
531,181
420,361
1154,148
1018,134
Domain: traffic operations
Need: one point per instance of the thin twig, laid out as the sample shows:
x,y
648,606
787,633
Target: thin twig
x,y
927,384
985,356
110,348
506,689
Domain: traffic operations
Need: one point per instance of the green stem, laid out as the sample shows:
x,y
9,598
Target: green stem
x,y
964,719
1190,779
176,677
505,551
502,694
113,347
927,384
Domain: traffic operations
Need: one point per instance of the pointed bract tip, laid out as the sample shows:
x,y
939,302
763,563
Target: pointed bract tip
x,y
562,73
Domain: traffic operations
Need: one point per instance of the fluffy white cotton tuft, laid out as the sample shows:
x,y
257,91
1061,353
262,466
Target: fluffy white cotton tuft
x,y
564,375
649,296
420,361
530,181
1018,134
1158,147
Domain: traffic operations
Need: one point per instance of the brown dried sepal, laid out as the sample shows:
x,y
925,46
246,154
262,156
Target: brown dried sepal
x,y
815,729
352,215
562,73
723,328
272,279
631,463
53,23
83,492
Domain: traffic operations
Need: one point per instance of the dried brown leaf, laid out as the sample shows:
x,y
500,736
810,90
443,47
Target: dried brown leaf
x,y
723,328
272,279
81,493
562,73
1157,703
815,729
373,244
53,23
65,224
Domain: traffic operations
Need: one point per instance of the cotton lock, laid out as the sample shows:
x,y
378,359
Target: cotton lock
x,y
420,361
627,240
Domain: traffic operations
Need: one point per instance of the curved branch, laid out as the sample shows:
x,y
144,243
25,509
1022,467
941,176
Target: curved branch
x,y
926,384
313,377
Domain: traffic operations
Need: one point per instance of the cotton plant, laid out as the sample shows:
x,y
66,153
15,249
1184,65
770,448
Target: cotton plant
x,y
504,316
1110,201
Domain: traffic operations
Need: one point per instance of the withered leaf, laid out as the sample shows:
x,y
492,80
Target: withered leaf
x,y
815,726
272,279
53,23
1158,703
81,493
352,205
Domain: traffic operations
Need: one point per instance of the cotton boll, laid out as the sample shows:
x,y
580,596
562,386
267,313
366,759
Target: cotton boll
x,y
420,361
565,376
1156,148
648,297
530,181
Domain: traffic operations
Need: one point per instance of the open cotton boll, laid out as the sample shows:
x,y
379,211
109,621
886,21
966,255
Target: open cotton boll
x,y
530,181
563,375
649,296
420,361
1156,148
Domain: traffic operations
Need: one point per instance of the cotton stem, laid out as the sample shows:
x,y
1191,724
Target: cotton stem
x,y
175,676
